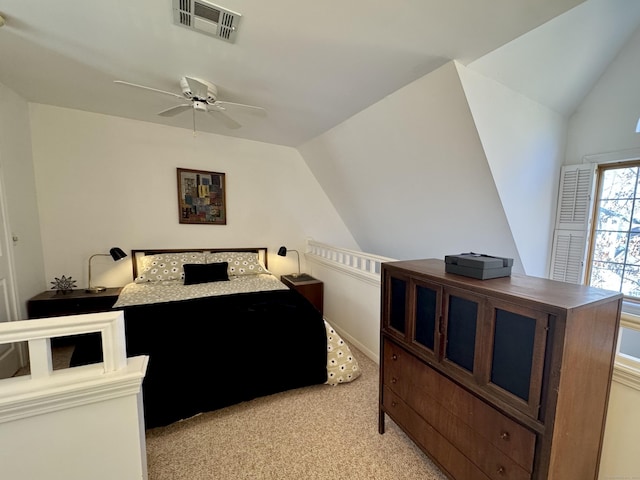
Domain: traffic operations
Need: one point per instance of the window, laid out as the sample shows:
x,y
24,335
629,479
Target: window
x,y
597,238
614,253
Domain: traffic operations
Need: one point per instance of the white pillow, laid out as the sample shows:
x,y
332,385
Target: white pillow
x,y
240,263
166,266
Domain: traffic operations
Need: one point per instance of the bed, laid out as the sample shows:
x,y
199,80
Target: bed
x,y
219,329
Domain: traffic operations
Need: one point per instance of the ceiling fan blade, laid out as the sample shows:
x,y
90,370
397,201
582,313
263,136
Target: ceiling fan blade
x,y
170,112
224,118
198,89
148,88
222,105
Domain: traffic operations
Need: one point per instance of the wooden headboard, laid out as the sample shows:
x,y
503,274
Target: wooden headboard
x,y
136,254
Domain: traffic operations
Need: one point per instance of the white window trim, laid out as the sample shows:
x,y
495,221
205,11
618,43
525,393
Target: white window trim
x,y
612,157
627,368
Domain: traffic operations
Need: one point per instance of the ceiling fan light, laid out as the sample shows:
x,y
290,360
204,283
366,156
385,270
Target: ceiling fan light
x,y
195,88
200,106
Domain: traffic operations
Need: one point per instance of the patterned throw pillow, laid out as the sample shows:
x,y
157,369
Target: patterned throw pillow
x,y
240,263
166,266
342,366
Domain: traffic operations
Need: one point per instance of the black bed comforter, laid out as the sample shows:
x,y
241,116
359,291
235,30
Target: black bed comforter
x,y
209,353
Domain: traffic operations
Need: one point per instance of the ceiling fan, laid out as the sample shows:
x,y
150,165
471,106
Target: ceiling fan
x,y
202,96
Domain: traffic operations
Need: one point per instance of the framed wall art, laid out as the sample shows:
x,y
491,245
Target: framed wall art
x,y
201,197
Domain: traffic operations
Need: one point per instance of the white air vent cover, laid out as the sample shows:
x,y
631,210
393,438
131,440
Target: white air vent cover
x,y
207,18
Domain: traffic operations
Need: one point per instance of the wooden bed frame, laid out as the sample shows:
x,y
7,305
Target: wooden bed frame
x,y
136,254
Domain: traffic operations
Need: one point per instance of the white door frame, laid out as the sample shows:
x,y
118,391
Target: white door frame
x,y
17,354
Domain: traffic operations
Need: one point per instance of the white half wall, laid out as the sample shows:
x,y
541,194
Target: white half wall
x,y
105,181
100,441
620,449
352,307
524,144
409,175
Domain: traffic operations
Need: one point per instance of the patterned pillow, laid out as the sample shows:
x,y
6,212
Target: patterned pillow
x,y
342,366
240,263
166,266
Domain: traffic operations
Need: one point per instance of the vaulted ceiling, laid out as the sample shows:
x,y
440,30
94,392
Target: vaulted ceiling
x,y
311,65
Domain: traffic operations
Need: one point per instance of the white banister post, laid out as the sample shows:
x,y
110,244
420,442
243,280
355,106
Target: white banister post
x,y
40,357
114,342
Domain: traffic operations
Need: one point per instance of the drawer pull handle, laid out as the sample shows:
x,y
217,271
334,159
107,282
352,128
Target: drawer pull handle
x,y
394,356
505,436
394,380
501,470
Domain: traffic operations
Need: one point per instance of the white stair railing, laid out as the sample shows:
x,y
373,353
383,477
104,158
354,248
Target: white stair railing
x,y
23,396
362,265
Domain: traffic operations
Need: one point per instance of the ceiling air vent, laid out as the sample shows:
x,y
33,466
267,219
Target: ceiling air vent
x,y
206,18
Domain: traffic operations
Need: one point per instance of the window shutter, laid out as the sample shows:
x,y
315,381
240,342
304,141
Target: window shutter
x,y
573,218
575,196
567,257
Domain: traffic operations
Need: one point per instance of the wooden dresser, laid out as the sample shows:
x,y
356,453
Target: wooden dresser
x,y
497,379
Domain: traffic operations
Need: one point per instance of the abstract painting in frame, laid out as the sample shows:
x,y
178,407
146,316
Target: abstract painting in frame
x,y
201,197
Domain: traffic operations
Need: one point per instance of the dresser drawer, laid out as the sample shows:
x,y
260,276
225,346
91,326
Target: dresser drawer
x,y
449,458
458,413
495,464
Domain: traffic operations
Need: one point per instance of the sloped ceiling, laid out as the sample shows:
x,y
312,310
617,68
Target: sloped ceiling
x,y
559,62
310,64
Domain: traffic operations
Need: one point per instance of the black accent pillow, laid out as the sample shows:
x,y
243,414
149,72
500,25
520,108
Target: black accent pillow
x,y
205,272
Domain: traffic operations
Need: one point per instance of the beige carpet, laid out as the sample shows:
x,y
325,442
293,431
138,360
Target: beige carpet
x,y
318,432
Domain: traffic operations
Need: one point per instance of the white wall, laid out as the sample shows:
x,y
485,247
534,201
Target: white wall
x,y
16,168
524,143
409,175
606,120
620,449
105,181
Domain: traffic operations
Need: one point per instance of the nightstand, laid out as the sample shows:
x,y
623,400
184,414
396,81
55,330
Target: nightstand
x,y
75,302
310,288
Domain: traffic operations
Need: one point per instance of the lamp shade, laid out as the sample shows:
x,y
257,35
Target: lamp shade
x,y
117,253
282,251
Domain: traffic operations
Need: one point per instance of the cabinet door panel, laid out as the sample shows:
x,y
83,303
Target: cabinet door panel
x,y
398,304
427,314
513,342
518,339
462,321
426,308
